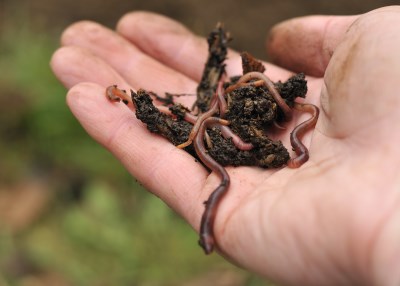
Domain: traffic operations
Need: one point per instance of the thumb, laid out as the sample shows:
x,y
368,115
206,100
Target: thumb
x,y
306,44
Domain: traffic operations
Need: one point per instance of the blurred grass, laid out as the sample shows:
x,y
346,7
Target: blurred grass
x,y
99,227
47,128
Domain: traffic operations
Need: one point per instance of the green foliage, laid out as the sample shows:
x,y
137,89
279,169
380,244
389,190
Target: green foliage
x,y
49,135
101,241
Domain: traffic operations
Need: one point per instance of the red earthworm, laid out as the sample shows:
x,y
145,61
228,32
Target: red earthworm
x,y
225,130
242,84
213,109
207,239
191,118
239,143
113,93
298,146
221,101
196,126
226,133
271,88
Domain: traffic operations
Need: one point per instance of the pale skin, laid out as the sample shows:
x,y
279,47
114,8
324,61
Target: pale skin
x,y
333,221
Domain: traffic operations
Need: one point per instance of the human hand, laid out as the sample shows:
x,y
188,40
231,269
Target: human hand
x,y
333,221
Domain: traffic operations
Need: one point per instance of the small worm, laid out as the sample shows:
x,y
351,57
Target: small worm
x,y
225,131
113,93
237,141
190,118
298,146
207,240
243,84
223,106
213,109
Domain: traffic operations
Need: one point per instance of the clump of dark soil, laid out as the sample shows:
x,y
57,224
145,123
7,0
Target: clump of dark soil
x,y
251,111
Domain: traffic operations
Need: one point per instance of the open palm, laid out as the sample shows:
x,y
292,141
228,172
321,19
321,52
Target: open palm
x,y
333,221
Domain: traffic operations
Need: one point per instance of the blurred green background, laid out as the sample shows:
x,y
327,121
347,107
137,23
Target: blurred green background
x,y
69,213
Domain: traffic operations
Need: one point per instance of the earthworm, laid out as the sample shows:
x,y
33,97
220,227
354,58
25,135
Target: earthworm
x,y
237,141
207,239
298,146
243,84
115,94
215,103
223,106
271,88
197,124
225,130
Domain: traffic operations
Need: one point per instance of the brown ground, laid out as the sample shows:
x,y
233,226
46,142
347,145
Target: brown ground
x,y
248,21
